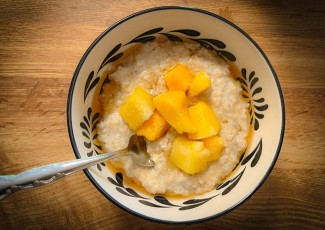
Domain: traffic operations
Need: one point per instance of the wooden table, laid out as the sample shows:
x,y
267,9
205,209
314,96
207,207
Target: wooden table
x,y
41,43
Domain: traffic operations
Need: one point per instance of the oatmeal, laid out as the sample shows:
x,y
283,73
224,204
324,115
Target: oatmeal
x,y
145,69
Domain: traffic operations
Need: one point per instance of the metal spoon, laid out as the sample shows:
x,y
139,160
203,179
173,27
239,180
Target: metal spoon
x,y
46,174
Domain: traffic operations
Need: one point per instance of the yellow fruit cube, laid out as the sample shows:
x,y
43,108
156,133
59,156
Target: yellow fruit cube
x,y
215,145
190,156
205,121
200,82
172,106
178,78
153,128
137,108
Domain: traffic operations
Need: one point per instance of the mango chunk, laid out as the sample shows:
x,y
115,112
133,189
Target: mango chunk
x,y
190,156
172,106
153,128
200,82
215,145
178,78
205,121
137,108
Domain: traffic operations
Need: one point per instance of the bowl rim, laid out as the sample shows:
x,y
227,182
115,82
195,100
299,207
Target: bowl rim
x,y
69,111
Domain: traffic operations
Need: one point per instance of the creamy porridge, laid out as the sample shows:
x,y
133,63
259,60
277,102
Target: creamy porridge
x,y
145,69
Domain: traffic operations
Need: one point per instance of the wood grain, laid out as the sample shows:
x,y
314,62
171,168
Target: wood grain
x,y
41,43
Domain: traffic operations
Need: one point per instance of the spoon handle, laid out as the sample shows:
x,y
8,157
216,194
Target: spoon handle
x,y
49,173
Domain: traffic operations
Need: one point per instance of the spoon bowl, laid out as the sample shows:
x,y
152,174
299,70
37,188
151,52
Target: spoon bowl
x,y
137,148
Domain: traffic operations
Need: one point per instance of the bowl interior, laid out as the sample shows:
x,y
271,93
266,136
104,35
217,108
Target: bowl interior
x,y
261,90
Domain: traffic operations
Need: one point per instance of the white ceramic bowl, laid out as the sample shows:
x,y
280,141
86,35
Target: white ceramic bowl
x,y
257,77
